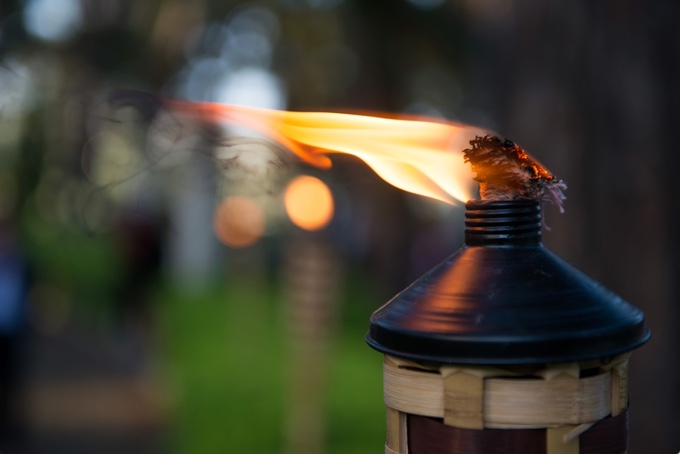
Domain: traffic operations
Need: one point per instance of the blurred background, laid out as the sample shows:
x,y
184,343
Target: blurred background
x,y
156,299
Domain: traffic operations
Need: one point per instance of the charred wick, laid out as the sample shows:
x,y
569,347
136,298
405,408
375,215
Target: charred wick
x,y
503,169
506,172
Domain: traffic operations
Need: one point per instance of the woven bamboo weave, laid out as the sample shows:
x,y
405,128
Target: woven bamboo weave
x,y
551,397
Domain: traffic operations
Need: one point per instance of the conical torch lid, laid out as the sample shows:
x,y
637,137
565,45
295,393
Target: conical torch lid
x,y
505,299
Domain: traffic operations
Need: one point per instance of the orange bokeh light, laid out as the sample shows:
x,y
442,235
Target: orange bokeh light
x,y
309,203
239,221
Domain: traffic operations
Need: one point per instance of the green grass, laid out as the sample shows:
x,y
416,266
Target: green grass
x,y
227,357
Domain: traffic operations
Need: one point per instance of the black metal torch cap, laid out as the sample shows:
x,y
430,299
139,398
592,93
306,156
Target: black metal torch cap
x,y
505,299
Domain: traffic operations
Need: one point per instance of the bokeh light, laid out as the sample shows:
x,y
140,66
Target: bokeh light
x,y
53,20
239,221
231,61
251,86
309,203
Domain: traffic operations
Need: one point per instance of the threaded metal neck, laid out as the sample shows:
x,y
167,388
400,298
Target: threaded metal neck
x,y
503,223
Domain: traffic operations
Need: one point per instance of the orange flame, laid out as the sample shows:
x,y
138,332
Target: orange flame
x,y
422,157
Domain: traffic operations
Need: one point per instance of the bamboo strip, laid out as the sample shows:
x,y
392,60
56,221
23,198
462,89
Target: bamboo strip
x,y
619,371
415,392
397,432
403,430
555,441
577,431
508,402
408,364
566,369
464,401
390,451
541,403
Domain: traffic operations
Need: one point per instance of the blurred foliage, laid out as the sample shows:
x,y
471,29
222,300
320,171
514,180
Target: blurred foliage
x,y
87,264
226,359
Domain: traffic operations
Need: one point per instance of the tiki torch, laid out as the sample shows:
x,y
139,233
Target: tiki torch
x,y
504,347
501,348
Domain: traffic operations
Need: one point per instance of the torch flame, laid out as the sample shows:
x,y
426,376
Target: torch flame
x,y
422,157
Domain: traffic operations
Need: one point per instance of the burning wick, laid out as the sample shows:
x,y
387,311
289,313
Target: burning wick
x,y
506,172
